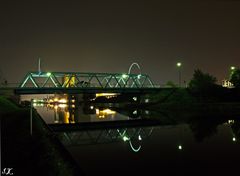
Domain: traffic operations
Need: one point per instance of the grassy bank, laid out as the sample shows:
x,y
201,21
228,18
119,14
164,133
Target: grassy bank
x,y
186,97
39,154
7,106
182,102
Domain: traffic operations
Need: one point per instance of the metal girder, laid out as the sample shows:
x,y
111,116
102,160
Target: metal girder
x,y
91,137
85,80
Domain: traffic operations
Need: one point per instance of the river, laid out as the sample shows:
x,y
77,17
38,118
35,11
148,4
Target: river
x,y
166,146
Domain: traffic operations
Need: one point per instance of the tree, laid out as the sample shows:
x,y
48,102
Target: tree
x,y
202,82
235,78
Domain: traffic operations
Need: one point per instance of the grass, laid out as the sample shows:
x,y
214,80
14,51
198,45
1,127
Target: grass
x,y
6,106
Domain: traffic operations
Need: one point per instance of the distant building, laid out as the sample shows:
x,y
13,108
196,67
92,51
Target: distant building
x,y
227,83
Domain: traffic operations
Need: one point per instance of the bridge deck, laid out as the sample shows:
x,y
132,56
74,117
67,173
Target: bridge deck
x,y
78,90
105,125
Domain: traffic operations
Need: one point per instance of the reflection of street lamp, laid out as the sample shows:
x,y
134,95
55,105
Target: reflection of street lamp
x,y
179,64
180,147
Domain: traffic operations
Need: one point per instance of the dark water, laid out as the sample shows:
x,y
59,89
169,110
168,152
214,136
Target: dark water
x,y
171,146
156,150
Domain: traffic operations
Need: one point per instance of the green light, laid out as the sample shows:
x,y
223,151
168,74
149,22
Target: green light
x,y
49,74
139,138
233,68
179,64
139,76
234,139
124,76
125,138
180,147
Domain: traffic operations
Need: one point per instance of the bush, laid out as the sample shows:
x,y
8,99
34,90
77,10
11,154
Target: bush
x,y
202,83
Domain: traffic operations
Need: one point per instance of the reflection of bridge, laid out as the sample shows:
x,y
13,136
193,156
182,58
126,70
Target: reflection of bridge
x,y
75,82
92,137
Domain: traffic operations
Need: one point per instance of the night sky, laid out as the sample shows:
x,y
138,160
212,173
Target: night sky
x,y
107,36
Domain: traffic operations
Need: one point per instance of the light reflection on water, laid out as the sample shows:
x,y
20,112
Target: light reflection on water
x,y
59,114
61,110
132,136
152,149
197,143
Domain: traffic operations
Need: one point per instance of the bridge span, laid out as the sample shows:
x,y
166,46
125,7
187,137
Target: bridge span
x,y
78,82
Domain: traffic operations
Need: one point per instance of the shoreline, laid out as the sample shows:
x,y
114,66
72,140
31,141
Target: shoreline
x,y
42,151
45,153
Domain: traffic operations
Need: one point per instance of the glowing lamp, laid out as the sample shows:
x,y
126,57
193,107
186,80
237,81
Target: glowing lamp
x,y
125,138
180,147
179,64
49,74
124,76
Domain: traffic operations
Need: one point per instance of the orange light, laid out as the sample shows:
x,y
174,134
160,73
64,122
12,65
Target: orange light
x,y
105,112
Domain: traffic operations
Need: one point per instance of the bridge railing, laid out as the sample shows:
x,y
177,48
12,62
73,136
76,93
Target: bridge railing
x,y
85,80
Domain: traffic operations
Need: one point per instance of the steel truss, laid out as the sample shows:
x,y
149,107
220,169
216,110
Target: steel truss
x,y
93,137
85,80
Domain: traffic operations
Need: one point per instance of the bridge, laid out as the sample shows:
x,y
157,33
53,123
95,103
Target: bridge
x,y
80,82
133,136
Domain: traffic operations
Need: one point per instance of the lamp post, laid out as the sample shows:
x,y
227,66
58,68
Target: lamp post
x,y
179,64
31,114
232,68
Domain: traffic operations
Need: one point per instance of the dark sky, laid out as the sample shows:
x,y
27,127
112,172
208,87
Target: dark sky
x,y
107,36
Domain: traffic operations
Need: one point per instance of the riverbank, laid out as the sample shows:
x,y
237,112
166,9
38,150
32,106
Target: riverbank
x,y
43,154
39,154
181,103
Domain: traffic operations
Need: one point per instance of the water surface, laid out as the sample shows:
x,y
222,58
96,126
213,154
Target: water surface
x,y
174,146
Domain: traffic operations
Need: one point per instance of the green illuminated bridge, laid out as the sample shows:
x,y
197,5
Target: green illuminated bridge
x,y
77,82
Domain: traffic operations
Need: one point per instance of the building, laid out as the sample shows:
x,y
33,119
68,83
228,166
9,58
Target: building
x,y
227,83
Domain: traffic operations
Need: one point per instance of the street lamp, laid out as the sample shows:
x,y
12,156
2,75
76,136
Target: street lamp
x,y
31,116
179,64
233,68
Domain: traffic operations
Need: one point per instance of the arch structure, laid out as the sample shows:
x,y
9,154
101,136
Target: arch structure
x,y
86,80
133,136
136,65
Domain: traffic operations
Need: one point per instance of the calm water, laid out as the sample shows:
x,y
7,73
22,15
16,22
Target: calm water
x,y
174,146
